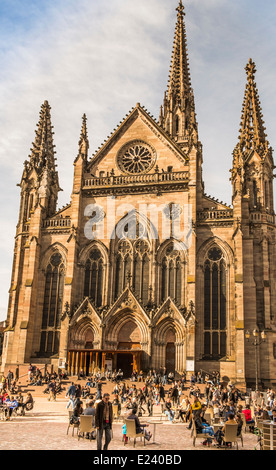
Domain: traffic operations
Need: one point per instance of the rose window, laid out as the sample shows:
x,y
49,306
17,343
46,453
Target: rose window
x,y
136,157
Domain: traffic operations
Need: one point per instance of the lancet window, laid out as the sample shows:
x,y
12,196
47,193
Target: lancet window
x,y
172,276
52,308
93,280
215,300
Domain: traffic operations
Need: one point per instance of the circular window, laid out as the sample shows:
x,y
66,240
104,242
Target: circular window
x,y
136,157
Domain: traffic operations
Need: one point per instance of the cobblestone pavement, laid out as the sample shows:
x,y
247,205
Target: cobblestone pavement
x,y
46,429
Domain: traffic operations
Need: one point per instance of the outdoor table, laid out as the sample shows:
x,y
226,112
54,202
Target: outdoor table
x,y
154,422
217,426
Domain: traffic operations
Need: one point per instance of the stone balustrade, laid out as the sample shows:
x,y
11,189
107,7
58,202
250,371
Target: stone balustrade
x,y
125,180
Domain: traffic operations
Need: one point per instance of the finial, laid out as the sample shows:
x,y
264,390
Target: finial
x,y
251,69
180,9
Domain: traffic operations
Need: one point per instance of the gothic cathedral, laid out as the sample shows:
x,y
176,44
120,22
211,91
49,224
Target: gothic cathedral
x,y
110,281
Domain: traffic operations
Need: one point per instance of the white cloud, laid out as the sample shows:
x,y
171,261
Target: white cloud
x,y
101,57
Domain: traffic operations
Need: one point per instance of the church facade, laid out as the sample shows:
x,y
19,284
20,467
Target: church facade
x,y
142,269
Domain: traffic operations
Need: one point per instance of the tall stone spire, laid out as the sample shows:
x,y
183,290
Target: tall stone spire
x,y
177,115
252,132
253,164
40,177
43,149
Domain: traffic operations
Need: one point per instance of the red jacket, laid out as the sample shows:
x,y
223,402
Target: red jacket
x,y
247,414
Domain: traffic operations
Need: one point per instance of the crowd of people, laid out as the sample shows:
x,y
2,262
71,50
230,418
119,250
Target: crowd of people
x,y
180,400
11,404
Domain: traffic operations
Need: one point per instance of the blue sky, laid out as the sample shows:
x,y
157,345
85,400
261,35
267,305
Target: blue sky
x,y
103,56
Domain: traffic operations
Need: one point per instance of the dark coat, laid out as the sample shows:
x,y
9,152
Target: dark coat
x,y
99,421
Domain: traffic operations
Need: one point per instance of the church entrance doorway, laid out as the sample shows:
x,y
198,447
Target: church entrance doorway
x,y
170,357
125,363
170,351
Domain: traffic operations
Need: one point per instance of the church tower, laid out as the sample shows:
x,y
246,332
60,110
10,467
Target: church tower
x,y
252,181
39,191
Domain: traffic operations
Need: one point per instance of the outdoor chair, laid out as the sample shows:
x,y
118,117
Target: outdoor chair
x,y
240,436
131,431
116,414
230,434
209,411
85,426
245,425
208,417
73,426
259,425
2,413
195,435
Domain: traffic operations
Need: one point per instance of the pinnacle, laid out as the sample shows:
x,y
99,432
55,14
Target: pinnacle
x,y
252,131
84,142
179,95
42,152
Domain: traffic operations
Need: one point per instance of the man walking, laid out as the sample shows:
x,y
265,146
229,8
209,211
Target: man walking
x,y
52,390
103,420
71,394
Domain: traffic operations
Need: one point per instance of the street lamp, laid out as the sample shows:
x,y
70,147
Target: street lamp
x,y
258,339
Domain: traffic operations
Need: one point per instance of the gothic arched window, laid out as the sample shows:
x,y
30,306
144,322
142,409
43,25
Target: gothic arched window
x,y
132,268
141,270
52,308
93,279
215,296
171,275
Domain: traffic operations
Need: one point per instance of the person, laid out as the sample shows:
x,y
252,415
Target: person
x,y
162,393
124,429
202,427
168,410
103,420
71,394
20,401
249,421
99,390
240,424
77,412
274,415
9,378
117,402
52,390
140,428
221,432
11,404
196,406
90,410
28,403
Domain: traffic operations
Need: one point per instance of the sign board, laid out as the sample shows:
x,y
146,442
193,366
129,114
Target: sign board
x,y
61,363
190,366
108,364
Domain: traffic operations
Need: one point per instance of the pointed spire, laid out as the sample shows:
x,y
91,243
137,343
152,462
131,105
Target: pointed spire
x,y
84,142
179,118
180,80
252,132
42,151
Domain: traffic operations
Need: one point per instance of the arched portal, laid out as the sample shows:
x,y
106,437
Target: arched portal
x,y
170,351
129,339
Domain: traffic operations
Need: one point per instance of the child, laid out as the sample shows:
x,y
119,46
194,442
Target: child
x,y
124,433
